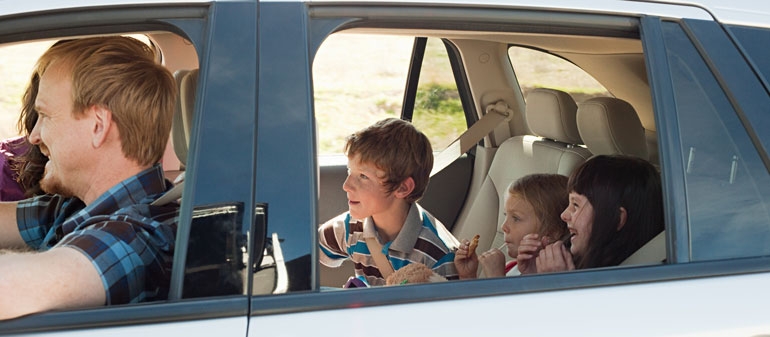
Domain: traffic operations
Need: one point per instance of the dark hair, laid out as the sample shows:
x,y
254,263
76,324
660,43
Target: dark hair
x,y
398,148
547,193
30,165
609,183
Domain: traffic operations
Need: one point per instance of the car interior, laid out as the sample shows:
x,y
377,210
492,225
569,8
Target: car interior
x,y
549,131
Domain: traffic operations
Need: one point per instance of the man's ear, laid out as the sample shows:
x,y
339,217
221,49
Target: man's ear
x,y
405,188
102,124
623,216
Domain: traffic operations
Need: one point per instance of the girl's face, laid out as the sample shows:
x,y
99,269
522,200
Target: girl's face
x,y
520,220
579,217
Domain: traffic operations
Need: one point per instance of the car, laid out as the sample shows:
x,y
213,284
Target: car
x,y
263,108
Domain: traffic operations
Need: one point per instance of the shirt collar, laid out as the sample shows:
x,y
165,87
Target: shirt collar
x,y
142,188
407,236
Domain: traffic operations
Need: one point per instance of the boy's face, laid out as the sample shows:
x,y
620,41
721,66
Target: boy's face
x,y
366,192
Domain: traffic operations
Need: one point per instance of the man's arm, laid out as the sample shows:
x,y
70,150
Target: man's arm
x,y
61,278
9,230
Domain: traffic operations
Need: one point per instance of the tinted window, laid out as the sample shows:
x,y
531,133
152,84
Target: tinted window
x,y
726,182
754,42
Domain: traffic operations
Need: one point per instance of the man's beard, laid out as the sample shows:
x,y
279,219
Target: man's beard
x,y
51,184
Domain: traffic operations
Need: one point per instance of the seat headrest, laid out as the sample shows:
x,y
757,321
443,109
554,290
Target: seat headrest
x,y
551,114
181,126
609,126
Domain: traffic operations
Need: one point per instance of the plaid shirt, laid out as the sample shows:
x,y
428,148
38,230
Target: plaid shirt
x,y
130,243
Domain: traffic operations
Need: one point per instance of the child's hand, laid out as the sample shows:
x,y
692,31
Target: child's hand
x,y
529,248
555,258
493,263
466,265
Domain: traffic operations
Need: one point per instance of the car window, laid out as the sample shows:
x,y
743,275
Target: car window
x,y
16,64
359,79
754,41
538,69
727,185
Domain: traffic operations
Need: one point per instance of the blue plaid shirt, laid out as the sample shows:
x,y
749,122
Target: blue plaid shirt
x,y
130,243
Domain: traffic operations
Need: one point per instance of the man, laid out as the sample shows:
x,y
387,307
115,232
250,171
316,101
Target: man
x,y
105,111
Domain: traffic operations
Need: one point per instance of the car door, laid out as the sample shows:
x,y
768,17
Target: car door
x,y
220,223
687,295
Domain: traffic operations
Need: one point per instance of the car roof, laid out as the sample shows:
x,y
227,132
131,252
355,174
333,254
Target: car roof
x,y
742,12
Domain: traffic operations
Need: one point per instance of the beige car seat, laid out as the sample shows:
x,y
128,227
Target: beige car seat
x,y
551,116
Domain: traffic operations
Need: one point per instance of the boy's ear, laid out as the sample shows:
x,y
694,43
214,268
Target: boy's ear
x,y
623,216
405,188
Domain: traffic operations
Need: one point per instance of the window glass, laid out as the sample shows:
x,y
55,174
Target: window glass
x,y
16,64
726,183
359,79
537,69
755,42
437,108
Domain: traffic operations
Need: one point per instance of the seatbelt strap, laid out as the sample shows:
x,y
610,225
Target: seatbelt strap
x,y
495,114
375,249
171,195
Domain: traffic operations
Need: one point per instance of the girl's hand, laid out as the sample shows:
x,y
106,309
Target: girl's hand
x,y
555,258
529,248
493,263
466,265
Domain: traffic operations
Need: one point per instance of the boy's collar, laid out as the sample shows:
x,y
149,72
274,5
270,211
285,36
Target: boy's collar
x,y
407,236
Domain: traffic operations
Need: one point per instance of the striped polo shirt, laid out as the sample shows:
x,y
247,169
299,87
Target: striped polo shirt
x,y
129,241
422,239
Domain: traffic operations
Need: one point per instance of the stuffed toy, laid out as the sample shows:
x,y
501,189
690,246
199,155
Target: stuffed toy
x,y
413,273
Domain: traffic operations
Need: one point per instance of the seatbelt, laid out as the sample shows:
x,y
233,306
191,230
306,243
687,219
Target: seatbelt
x,y
495,114
375,249
173,194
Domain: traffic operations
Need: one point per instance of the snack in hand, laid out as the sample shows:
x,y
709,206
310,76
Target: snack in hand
x,y
413,273
472,246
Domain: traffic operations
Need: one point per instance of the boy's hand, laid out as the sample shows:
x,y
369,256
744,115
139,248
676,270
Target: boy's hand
x,y
493,263
529,248
555,258
466,265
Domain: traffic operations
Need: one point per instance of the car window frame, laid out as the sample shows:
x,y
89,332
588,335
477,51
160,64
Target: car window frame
x,y
324,20
193,22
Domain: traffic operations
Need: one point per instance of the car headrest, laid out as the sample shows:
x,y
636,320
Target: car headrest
x,y
551,114
181,126
609,126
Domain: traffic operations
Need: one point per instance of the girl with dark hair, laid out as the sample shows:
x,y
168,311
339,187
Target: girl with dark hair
x,y
615,207
30,165
24,163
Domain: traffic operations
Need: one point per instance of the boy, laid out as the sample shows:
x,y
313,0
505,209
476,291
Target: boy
x,y
389,165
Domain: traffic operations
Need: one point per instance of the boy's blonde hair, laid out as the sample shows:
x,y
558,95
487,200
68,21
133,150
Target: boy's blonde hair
x,y
398,148
547,193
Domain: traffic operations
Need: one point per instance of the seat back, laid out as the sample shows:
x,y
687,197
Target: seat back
x,y
187,82
553,148
609,126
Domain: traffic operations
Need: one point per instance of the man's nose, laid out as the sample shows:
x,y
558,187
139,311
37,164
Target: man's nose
x,y
34,136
